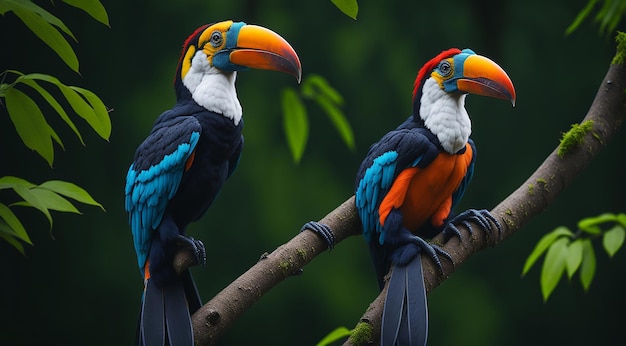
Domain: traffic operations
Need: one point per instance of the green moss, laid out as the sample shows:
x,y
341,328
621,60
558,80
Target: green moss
x,y
574,137
509,212
620,54
302,253
285,264
531,189
362,334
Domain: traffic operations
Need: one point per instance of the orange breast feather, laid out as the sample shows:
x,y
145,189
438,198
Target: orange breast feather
x,y
424,194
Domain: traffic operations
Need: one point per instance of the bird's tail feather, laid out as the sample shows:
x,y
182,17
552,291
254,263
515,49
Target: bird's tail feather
x,y
165,317
405,314
177,317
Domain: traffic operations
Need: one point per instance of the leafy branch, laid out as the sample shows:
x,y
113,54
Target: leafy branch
x,y
30,122
568,252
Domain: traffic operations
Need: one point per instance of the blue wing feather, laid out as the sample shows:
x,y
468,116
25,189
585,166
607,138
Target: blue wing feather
x,y
154,177
396,151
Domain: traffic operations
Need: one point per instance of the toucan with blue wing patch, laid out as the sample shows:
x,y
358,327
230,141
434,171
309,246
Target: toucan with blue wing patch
x,y
410,181
181,166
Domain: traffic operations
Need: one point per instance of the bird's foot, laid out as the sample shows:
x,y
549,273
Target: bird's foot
x,y
413,246
321,230
197,248
481,217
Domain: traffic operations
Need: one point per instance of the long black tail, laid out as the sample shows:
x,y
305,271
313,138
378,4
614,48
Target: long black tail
x,y
405,314
166,309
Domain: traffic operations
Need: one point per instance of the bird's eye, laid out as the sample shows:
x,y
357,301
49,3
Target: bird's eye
x,y
216,39
445,69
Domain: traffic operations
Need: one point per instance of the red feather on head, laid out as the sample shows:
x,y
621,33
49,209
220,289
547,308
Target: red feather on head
x,y
428,67
188,42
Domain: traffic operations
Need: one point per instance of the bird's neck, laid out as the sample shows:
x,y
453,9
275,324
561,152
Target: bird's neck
x,y
445,116
213,89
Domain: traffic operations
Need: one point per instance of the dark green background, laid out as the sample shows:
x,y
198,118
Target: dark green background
x,y
80,285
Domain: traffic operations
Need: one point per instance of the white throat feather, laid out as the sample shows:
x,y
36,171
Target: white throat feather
x,y
212,88
445,116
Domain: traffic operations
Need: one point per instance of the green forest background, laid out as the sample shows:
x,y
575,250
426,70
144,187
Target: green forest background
x,y
79,284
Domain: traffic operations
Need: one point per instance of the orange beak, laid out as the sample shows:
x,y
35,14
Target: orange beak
x,y
482,76
261,48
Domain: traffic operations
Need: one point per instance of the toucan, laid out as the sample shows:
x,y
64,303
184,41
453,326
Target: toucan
x,y
181,166
410,181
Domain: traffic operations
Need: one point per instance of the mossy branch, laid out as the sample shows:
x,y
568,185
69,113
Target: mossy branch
x,y
553,176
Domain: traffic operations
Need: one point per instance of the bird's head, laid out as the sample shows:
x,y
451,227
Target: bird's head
x,y
440,89
228,46
461,72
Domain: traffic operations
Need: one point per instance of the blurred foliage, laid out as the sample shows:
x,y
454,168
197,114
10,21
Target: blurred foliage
x,y
608,17
567,252
30,122
85,283
295,119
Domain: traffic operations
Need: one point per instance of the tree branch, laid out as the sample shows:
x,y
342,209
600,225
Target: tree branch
x,y
212,320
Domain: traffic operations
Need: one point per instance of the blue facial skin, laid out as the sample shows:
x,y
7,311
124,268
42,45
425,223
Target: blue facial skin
x,y
221,59
449,84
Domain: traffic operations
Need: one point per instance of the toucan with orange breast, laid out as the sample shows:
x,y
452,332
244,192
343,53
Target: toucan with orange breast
x,y
410,181
181,166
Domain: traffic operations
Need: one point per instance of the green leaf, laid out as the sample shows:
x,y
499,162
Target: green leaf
x,y
70,190
543,244
49,35
54,201
591,225
33,200
93,7
90,108
335,335
588,267
574,257
338,119
613,239
621,219
30,123
295,123
98,119
584,13
553,266
9,182
10,239
597,220
14,223
315,85
349,7
54,103
28,5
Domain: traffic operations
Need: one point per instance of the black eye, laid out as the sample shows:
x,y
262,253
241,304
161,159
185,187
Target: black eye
x,y
216,39
445,68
